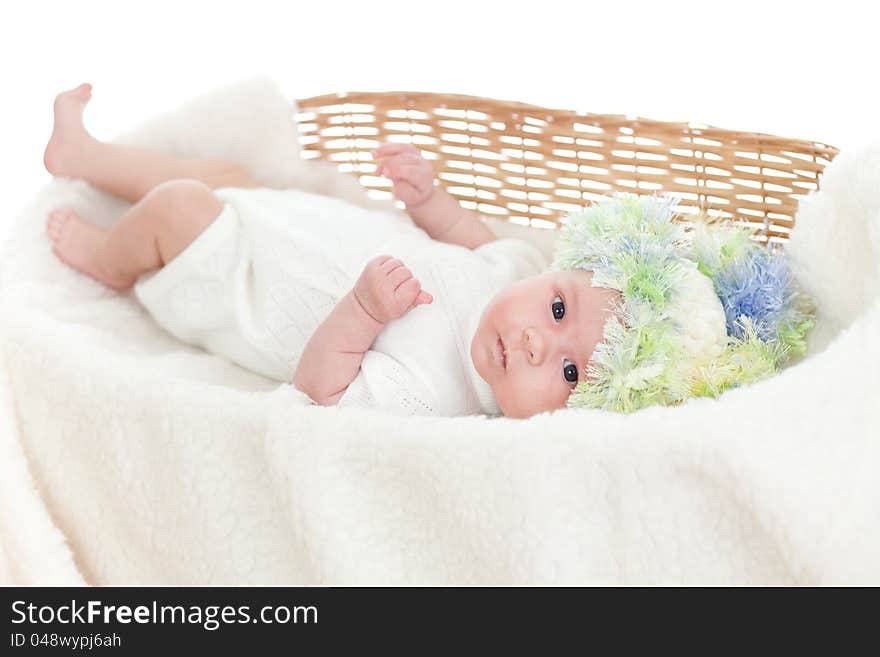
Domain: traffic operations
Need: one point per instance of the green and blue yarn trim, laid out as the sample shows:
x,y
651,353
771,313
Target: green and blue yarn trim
x,y
634,245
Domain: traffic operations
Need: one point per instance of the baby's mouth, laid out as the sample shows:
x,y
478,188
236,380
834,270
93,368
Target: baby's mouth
x,y
501,353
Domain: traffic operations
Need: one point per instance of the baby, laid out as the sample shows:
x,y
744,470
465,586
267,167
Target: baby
x,y
314,291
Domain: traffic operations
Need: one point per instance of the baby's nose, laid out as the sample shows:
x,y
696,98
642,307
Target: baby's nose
x,y
534,345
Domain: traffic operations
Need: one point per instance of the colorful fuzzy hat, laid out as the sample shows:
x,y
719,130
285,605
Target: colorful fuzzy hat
x,y
702,311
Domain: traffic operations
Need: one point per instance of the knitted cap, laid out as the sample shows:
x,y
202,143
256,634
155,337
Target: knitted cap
x,y
702,310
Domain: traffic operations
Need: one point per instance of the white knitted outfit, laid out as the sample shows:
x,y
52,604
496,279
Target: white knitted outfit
x,y
259,280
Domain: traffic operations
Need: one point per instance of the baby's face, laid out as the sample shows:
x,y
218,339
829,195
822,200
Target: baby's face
x,y
535,338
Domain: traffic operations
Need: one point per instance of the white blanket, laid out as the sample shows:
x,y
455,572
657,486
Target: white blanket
x,y
129,458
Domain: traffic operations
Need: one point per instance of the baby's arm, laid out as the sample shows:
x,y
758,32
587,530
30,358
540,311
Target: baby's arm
x,y
432,208
332,358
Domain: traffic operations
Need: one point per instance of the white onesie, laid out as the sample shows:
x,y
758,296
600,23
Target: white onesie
x,y
258,281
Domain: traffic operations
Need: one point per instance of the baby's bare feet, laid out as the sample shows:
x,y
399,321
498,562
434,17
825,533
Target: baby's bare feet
x,y
69,135
78,243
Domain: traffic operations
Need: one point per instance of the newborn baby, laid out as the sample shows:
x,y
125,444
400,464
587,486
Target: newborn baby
x,y
354,307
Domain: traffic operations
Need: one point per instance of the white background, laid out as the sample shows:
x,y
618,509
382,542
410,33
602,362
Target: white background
x,y
796,69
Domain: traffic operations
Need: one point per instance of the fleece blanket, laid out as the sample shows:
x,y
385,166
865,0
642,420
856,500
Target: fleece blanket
x,y
129,458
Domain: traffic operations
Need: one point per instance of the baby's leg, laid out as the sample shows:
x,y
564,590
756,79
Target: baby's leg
x,y
124,171
147,237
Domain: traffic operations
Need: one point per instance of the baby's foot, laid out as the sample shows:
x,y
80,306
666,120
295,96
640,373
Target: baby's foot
x,y
69,135
78,243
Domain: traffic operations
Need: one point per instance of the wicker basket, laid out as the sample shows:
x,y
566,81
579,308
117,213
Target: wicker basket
x,y
532,165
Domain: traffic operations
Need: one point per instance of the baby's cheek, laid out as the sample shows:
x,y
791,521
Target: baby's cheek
x,y
529,394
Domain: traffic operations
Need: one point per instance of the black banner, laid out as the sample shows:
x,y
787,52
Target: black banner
x,y
156,620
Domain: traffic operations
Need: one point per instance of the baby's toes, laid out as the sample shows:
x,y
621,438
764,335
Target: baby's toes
x,y
56,223
61,214
53,228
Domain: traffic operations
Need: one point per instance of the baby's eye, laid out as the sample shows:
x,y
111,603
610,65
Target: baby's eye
x,y
557,308
569,371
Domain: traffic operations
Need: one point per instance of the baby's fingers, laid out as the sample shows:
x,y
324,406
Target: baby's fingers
x,y
411,294
410,172
397,276
385,165
387,150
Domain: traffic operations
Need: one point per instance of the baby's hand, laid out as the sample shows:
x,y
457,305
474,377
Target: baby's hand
x,y
386,290
411,175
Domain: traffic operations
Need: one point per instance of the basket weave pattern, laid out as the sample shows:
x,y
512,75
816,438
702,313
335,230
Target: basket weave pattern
x,y
532,165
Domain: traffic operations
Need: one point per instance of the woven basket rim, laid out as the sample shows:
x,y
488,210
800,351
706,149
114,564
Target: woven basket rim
x,y
531,164
472,102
